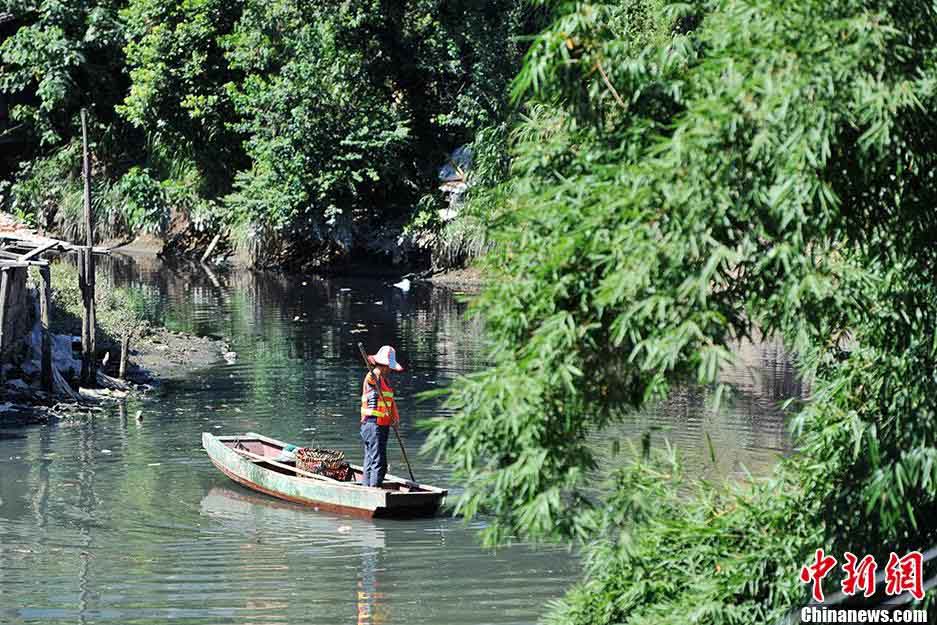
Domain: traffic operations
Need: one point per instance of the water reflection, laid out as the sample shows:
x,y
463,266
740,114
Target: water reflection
x,y
372,608
266,519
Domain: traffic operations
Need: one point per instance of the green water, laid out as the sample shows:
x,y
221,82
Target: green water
x,y
119,521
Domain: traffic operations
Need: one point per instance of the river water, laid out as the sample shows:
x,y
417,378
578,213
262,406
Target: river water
x,y
123,521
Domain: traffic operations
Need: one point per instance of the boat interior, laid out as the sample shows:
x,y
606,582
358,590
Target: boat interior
x,y
264,451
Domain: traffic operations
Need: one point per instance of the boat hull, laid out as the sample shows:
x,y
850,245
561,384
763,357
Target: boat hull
x,y
401,499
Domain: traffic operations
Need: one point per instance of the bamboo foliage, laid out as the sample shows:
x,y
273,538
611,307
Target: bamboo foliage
x,y
688,174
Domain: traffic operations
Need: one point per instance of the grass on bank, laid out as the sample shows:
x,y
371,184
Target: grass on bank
x,y
119,311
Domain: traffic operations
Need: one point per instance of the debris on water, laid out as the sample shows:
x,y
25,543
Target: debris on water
x,y
403,285
154,464
304,283
359,330
238,410
296,318
344,289
105,451
344,529
139,415
217,427
379,302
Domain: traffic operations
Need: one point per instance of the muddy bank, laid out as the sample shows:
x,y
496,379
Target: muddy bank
x,y
167,355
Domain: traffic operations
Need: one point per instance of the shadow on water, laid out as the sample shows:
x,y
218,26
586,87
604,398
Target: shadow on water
x,y
115,520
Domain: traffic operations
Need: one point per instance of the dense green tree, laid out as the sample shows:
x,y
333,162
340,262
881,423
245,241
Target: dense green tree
x,y
690,175
350,107
179,85
63,56
310,129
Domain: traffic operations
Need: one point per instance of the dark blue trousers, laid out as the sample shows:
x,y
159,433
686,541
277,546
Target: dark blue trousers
x,y
374,438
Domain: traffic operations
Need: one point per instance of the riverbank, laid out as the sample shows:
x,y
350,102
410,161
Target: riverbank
x,y
167,355
125,317
161,356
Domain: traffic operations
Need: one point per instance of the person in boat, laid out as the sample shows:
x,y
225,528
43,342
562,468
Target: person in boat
x,y
378,414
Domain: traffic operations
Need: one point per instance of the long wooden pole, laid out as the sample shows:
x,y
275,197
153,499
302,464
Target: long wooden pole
x,y
367,365
86,266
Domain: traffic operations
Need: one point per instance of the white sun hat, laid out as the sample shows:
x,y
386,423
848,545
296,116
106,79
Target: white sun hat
x,y
386,355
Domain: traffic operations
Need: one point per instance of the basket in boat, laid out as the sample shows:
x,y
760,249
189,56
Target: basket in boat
x,y
328,462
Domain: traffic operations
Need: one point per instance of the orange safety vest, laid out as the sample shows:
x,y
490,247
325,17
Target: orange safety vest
x,y
386,410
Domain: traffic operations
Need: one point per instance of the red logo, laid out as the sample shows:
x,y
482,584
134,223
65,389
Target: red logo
x,y
816,572
859,576
905,573
901,574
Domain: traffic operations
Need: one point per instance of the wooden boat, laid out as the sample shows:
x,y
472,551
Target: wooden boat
x,y
248,459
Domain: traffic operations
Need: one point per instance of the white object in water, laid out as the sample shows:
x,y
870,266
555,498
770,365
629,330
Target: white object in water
x,y
403,285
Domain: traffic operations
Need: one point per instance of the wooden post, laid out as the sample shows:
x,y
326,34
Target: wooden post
x,y
86,174
45,296
4,289
83,287
86,267
124,351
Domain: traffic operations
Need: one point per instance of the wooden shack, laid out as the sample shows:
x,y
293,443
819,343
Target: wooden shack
x,y
21,248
